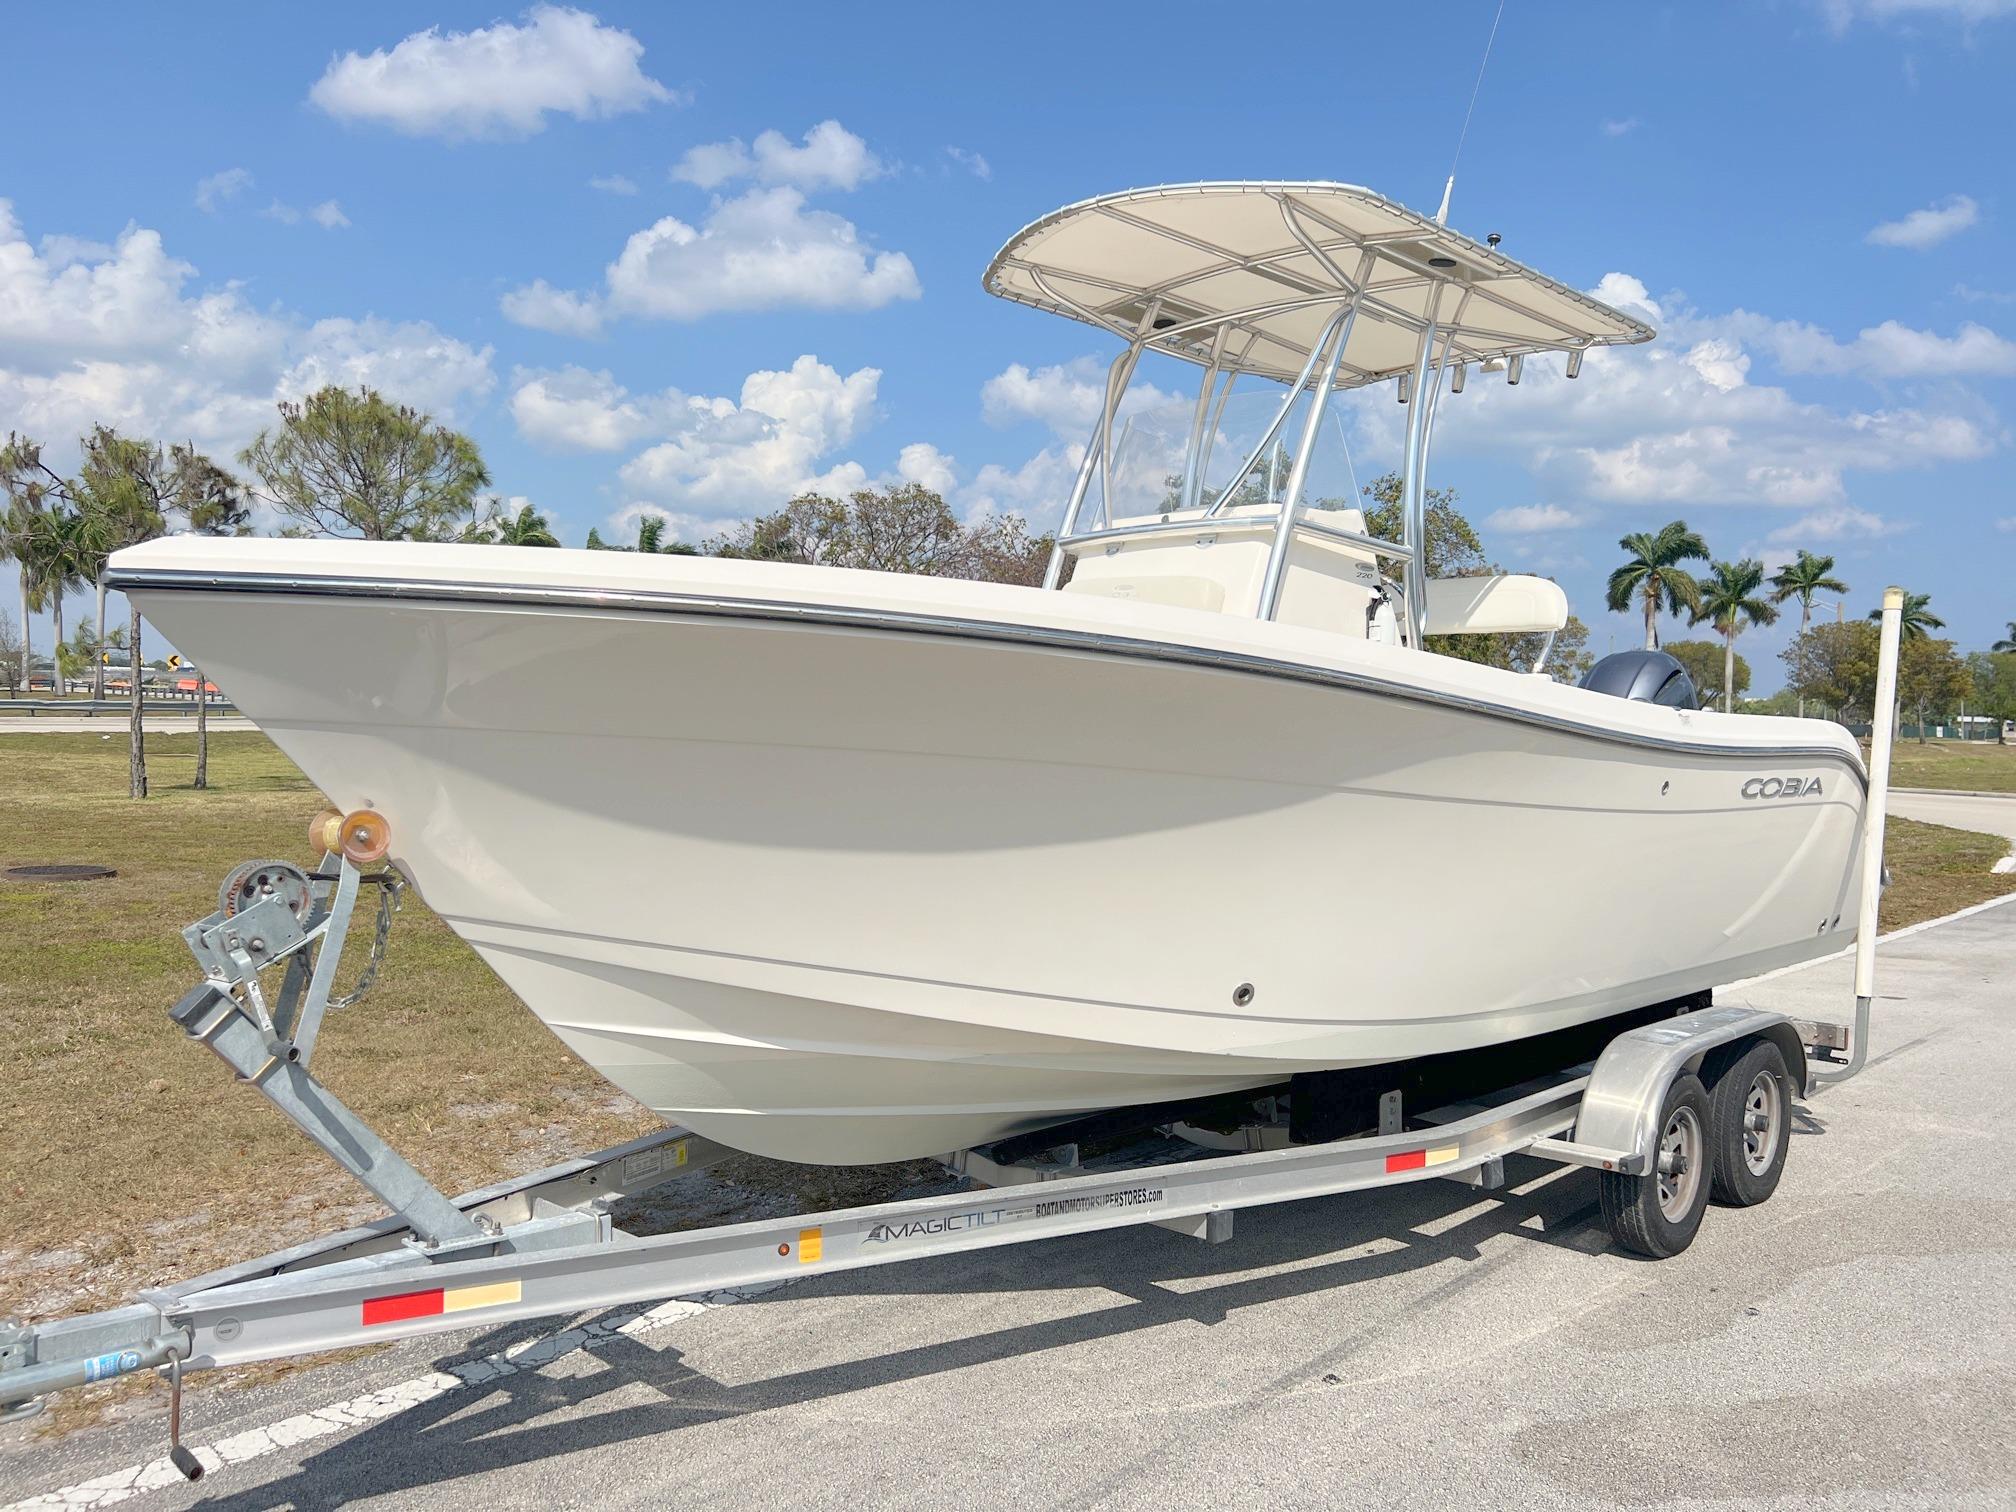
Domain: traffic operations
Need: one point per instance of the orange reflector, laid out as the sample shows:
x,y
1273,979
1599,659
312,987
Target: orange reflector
x,y
364,837
811,1245
1417,1160
435,1301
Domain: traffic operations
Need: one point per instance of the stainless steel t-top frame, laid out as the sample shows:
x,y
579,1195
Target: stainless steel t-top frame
x,y
1252,278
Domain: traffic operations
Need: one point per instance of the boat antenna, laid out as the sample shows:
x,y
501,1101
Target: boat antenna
x,y
1442,215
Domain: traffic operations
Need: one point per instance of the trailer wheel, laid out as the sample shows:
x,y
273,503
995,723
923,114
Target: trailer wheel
x,y
1658,1213
1750,1104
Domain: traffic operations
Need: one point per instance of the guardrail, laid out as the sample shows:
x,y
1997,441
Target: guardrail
x,y
91,707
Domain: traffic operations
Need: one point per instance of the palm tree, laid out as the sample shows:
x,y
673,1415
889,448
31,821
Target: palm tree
x,y
58,559
1917,618
30,487
528,527
1729,600
212,502
1653,575
650,533
651,539
1802,579
14,521
129,487
2009,644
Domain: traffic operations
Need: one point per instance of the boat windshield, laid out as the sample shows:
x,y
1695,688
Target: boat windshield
x,y
1151,459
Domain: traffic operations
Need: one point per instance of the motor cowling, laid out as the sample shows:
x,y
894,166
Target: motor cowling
x,y
1644,676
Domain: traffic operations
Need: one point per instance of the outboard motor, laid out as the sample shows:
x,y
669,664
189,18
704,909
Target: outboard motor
x,y
1647,676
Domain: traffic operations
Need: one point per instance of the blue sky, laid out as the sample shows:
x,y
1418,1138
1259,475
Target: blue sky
x,y
690,259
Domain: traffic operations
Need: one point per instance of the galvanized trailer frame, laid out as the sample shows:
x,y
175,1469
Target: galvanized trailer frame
x,y
546,1244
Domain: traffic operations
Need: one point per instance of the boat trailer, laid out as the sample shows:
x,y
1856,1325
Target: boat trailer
x,y
1669,1112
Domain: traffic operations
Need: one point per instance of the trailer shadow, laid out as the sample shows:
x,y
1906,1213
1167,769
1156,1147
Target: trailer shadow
x,y
1279,1253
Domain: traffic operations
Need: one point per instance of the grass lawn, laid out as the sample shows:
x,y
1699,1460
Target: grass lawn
x,y
1971,766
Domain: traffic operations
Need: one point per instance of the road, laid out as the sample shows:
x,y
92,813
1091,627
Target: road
x,y
111,725
1990,813
1846,1345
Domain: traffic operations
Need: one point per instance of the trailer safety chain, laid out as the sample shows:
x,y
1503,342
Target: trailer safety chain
x,y
390,886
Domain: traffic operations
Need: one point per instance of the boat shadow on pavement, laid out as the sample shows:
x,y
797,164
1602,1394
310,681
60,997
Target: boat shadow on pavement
x,y
1278,1254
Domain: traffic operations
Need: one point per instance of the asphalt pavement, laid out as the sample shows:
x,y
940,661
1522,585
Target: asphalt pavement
x,y
113,726
1849,1344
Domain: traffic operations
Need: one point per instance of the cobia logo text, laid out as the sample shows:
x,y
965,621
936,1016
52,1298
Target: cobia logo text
x,y
1782,787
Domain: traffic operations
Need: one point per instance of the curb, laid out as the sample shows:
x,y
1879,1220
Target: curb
x,y
1949,793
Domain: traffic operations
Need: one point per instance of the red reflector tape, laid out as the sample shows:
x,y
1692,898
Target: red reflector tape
x,y
396,1309
1413,1160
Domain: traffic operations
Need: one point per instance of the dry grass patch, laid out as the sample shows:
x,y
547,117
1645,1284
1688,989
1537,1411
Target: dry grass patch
x,y
130,1158
1936,871
1969,766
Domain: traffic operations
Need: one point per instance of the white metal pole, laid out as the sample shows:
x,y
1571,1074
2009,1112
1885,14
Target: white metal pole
x,y
1873,813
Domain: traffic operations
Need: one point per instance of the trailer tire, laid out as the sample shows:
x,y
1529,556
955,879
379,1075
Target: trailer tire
x,y
1657,1214
1750,1104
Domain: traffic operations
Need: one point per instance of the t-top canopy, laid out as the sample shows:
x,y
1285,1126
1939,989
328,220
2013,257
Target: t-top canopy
x,y
1270,265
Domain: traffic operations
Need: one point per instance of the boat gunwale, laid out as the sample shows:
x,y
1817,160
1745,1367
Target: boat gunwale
x,y
728,606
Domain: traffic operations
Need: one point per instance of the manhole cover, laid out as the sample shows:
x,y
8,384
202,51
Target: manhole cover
x,y
57,873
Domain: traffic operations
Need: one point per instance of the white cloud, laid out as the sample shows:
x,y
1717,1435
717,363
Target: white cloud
x,y
2008,524
716,459
1841,14
59,251
1928,227
1842,522
1889,350
972,162
1984,296
1067,397
921,462
498,81
117,334
545,308
328,215
828,157
1036,490
576,410
763,251
1629,294
219,187
1527,519
614,183
1722,364
1684,422
713,164
726,459
409,361
1620,128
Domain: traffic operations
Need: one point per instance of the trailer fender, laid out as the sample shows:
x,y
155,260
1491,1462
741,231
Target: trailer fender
x,y
1620,1108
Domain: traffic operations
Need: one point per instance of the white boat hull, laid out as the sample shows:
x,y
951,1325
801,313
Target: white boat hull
x,y
837,867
